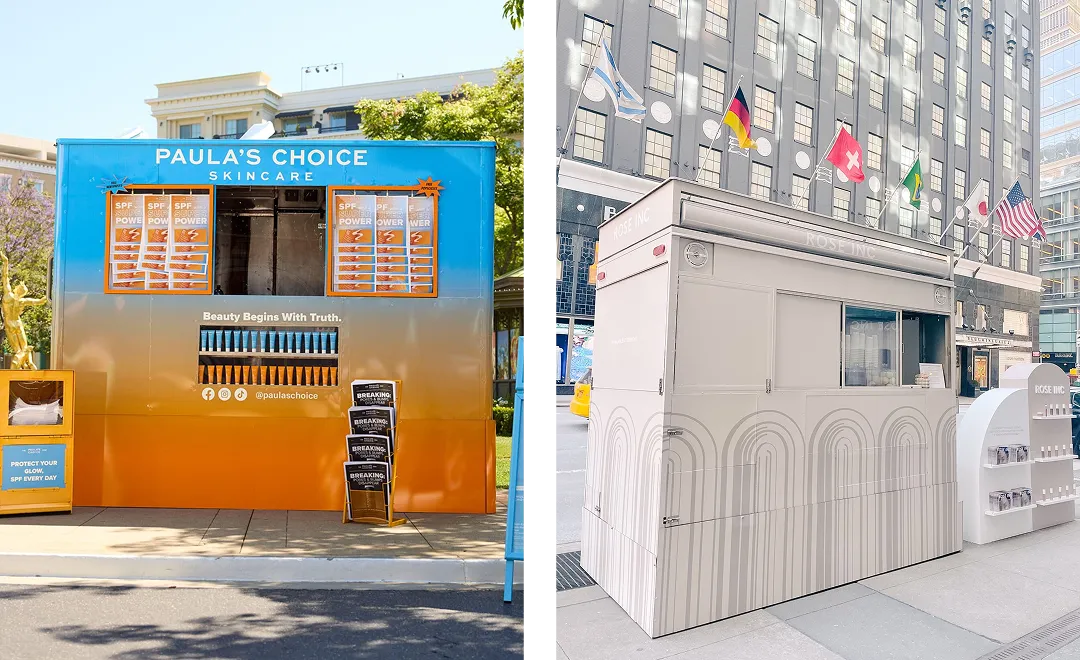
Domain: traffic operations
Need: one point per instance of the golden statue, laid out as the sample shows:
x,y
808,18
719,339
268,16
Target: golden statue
x,y
13,304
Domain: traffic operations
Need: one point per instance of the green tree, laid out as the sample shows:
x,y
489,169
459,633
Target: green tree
x,y
495,113
26,237
515,11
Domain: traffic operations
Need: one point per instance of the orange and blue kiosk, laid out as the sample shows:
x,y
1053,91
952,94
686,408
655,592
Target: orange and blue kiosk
x,y
215,299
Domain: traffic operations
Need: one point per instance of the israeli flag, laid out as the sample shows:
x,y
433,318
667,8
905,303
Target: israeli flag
x,y
628,104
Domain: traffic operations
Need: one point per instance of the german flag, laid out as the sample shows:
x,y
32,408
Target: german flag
x,y
738,118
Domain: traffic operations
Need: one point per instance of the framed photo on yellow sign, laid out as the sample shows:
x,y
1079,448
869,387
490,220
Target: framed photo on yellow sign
x,y
37,402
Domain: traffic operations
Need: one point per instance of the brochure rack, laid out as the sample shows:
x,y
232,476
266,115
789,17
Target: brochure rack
x,y
388,486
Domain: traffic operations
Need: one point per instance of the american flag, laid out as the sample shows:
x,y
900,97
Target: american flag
x,y
1018,217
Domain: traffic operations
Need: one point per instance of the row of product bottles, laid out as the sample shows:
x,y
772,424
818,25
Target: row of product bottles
x,y
235,374
1056,410
290,342
1056,451
1062,493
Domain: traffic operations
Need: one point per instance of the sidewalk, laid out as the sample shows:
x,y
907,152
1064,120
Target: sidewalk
x,y
984,600
253,545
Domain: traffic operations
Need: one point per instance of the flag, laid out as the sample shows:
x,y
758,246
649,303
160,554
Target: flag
x,y
913,183
628,104
738,118
1018,216
978,204
846,154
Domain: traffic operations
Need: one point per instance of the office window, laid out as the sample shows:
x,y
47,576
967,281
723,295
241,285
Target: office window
x,y
959,184
984,97
873,210
847,17
1025,251
984,245
959,239
238,127
845,75
1007,110
984,143
841,204
961,131
1025,5
980,313
938,121
907,157
940,21
1025,78
935,227
1006,253
807,55
961,34
716,17
657,154
190,131
712,88
987,52
1025,36
809,6
760,181
764,108
590,39
870,347
1025,119
911,52
840,123
878,38
662,69
877,91
804,123
937,169
907,221
911,8
1016,322
961,83
708,166
939,69
1008,68
987,9
1025,162
767,30
875,145
909,107
800,192
589,132
670,6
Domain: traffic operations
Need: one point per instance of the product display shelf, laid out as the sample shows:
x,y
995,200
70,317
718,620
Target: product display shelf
x,y
1052,416
1015,509
1054,459
1057,500
268,354
990,466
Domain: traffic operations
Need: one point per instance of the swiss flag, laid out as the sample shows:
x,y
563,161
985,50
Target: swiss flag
x,y
846,154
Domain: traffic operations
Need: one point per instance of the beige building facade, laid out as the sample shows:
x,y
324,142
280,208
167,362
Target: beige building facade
x,y
227,106
27,157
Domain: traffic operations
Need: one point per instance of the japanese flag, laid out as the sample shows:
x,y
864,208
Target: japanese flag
x,y
846,154
978,205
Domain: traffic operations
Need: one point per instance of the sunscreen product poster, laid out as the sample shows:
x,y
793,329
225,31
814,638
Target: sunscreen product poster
x,y
158,243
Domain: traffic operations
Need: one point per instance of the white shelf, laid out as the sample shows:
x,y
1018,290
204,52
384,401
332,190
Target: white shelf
x,y
1052,416
1012,510
268,354
1005,465
1068,457
1057,500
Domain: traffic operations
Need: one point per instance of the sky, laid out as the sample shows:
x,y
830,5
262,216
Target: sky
x,y
73,68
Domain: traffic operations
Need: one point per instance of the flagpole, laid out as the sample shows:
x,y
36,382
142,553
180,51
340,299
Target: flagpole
x,y
892,194
813,173
708,154
573,110
990,218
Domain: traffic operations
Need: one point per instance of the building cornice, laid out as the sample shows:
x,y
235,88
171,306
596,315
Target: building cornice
x,y
998,275
11,163
593,180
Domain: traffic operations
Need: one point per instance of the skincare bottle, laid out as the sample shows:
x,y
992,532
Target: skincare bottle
x,y
333,375
272,345
281,342
202,339
217,373
261,371
324,377
236,341
292,342
202,374
317,375
228,341
262,341
333,341
324,339
219,343
307,343
247,374
280,376
307,376
244,340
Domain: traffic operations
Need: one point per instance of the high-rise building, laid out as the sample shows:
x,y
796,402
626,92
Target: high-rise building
x,y
947,81
1059,173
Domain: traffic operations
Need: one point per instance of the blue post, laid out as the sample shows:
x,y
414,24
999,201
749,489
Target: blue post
x,y
515,509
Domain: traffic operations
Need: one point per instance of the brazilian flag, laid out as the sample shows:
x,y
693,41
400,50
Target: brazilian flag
x,y
914,185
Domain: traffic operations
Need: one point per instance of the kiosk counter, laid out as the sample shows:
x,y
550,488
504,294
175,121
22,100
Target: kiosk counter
x,y
216,298
762,426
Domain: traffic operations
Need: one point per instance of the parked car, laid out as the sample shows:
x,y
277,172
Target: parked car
x,y
579,405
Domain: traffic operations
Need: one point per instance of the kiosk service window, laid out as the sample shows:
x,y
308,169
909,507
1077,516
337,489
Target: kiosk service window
x,y
885,347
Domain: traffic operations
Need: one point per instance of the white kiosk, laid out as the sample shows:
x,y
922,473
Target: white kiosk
x,y
1014,448
756,431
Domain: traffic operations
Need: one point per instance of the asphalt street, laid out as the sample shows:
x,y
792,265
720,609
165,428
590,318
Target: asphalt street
x,y
571,442
43,622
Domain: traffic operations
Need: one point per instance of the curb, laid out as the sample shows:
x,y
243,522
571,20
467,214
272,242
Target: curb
x,y
274,570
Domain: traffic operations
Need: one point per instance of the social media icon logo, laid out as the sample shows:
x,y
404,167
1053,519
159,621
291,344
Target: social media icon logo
x,y
208,394
240,394
224,394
